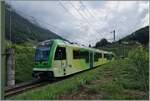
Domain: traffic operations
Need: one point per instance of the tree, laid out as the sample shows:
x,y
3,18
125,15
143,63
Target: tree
x,y
101,43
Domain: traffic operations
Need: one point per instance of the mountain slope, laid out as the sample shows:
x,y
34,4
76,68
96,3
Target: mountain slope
x,y
126,44
23,30
141,36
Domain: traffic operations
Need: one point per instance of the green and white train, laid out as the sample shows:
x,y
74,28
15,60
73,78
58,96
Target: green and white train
x,y
57,58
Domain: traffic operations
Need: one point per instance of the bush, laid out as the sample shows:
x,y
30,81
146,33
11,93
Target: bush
x,y
139,57
24,63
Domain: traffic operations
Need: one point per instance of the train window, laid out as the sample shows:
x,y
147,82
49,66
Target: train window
x,y
100,55
96,56
107,56
60,53
85,55
77,54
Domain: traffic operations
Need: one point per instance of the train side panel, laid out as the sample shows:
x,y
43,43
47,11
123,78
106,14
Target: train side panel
x,y
69,65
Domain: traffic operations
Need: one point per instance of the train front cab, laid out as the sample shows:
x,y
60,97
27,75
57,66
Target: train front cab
x,y
42,62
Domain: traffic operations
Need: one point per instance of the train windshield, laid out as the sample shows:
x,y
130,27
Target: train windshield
x,y
42,53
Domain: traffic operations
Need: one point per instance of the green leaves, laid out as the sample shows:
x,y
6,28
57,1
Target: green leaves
x,y
139,57
24,63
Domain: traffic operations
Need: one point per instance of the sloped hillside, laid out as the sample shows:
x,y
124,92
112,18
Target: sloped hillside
x,y
23,30
141,36
124,45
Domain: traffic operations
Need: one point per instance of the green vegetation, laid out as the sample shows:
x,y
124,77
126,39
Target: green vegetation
x,y
24,63
122,47
140,58
101,43
119,79
141,36
23,30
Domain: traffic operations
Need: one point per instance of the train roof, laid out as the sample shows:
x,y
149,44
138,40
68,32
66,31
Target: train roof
x,y
64,43
67,43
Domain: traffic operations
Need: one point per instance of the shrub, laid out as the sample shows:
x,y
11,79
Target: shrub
x,y
24,63
139,57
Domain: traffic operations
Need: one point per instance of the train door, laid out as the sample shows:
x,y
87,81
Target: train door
x,y
91,59
61,55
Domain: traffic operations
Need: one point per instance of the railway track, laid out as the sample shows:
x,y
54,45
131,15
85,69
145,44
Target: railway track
x,y
20,88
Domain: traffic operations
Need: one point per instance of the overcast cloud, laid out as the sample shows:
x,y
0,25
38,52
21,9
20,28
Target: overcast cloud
x,y
86,22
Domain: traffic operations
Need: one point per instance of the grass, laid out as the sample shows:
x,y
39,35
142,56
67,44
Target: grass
x,y
110,81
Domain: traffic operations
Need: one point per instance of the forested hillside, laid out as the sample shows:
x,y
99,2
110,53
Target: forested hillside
x,y
23,30
141,36
124,45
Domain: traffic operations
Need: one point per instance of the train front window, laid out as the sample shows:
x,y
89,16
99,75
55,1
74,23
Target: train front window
x,y
42,54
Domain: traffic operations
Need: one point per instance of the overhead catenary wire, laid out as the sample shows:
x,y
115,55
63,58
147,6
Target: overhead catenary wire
x,y
82,15
90,13
59,29
72,14
66,9
69,12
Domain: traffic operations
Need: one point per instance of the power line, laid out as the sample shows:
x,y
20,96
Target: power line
x,y
82,16
68,11
86,9
57,28
89,12
79,12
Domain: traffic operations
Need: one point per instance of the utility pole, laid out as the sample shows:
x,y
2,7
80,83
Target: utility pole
x,y
114,35
10,24
10,57
2,50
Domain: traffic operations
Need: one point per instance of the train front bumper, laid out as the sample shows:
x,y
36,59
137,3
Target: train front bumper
x,y
43,73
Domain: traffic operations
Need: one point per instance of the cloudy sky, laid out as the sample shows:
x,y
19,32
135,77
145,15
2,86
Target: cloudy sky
x,y
86,22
